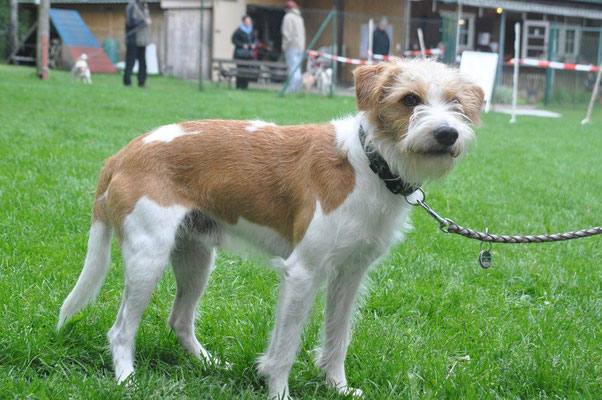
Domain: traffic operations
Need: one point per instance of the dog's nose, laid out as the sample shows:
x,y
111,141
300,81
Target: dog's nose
x,y
446,135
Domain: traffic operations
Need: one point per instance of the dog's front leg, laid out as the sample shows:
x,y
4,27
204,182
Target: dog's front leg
x,y
297,295
343,287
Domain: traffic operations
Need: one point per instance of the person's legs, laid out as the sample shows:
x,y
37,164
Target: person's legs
x,y
293,58
130,59
141,56
238,80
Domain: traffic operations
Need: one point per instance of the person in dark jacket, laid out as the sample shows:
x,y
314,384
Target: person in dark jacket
x,y
137,37
380,38
244,42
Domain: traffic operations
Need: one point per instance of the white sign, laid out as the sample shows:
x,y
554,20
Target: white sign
x,y
480,68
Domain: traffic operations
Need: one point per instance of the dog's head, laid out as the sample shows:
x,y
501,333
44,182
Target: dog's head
x,y
421,112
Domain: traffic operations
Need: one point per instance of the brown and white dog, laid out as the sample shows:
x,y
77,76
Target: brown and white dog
x,y
305,194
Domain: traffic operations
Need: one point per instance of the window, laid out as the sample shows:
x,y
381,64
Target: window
x,y
535,39
568,43
467,26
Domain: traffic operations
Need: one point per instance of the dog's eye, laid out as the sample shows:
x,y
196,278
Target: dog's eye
x,y
410,100
455,101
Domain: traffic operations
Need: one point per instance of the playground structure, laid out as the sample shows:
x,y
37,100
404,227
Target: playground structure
x,y
77,39
68,38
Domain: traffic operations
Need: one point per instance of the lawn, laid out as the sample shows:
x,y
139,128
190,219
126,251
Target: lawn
x,y
531,324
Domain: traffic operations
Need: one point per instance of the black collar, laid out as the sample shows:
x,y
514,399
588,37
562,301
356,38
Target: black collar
x,y
380,167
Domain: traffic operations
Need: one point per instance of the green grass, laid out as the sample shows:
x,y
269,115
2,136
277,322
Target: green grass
x,y
532,324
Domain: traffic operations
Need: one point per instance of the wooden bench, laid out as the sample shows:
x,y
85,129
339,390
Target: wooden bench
x,y
261,71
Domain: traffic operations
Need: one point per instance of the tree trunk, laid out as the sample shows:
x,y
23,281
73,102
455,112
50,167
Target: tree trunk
x,y
13,28
43,38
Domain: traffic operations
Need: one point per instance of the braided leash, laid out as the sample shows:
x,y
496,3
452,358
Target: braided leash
x,y
449,226
554,237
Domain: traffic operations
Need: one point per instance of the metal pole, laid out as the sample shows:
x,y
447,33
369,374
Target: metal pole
x,y
333,64
550,72
421,43
310,47
515,77
591,100
500,57
458,27
201,48
600,46
370,37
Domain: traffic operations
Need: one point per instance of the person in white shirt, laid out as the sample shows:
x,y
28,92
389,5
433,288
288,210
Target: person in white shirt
x,y
293,43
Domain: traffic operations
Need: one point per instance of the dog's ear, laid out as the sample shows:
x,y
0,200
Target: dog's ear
x,y
369,82
472,97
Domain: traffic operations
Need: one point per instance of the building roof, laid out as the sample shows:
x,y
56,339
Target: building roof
x,y
591,9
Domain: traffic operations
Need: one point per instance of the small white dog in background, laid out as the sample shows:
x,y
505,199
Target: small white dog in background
x,y
320,198
81,70
320,78
324,80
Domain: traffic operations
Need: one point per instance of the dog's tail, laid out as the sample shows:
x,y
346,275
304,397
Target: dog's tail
x,y
98,257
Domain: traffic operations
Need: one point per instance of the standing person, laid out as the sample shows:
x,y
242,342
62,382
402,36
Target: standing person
x,y
244,42
380,38
293,43
137,37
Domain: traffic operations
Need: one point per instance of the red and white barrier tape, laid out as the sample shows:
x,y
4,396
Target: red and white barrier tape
x,y
314,54
381,57
377,57
554,65
428,52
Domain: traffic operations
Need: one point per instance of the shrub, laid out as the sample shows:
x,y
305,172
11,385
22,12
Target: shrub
x,y
502,95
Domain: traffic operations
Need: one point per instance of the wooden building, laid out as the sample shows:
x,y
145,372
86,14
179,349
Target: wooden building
x,y
176,26
568,31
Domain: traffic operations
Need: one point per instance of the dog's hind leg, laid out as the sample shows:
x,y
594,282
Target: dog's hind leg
x,y
297,294
147,241
192,261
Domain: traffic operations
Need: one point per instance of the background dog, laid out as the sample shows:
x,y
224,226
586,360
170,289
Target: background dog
x,y
319,78
306,194
81,71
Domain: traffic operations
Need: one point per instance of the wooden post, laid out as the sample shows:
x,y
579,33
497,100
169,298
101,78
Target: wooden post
x,y
42,39
13,28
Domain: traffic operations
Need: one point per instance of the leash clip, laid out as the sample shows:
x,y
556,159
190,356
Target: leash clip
x,y
444,223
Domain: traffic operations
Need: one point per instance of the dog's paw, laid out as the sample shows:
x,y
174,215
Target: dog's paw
x,y
349,391
281,394
124,375
208,359
226,365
